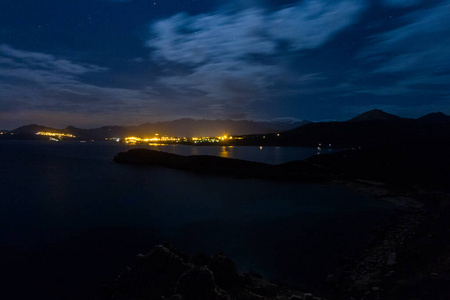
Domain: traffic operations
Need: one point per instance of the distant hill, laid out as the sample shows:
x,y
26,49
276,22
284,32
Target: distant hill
x,y
372,128
190,127
436,117
32,129
27,132
374,114
181,128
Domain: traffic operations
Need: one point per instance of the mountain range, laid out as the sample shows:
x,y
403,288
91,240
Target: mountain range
x,y
374,114
371,128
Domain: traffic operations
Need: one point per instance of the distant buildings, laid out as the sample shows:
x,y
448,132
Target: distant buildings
x,y
173,140
56,135
157,139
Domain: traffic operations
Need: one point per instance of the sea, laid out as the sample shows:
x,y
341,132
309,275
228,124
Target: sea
x,y
71,220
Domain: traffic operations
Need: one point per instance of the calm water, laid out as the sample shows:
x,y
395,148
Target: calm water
x,y
71,219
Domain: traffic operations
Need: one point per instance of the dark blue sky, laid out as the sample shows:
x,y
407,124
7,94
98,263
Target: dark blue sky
x,y
102,62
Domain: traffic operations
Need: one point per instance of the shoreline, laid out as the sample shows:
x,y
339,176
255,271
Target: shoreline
x,y
394,263
380,191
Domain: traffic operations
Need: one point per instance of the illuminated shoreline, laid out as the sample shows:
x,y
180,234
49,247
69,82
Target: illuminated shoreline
x,y
161,140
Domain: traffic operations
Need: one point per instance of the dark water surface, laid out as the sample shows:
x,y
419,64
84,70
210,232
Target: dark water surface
x,y
71,219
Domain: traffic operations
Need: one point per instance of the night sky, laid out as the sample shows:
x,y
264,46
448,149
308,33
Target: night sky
x,y
89,63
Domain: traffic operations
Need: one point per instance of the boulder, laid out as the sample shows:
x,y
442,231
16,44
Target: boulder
x,y
225,271
197,283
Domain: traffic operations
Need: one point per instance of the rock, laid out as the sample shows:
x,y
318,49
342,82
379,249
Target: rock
x,y
307,296
163,260
392,259
225,271
200,259
266,289
197,283
153,275
166,273
177,252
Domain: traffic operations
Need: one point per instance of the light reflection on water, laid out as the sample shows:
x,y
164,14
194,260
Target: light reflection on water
x,y
226,152
265,154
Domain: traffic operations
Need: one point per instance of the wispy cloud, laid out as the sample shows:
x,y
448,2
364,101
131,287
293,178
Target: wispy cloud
x,y
117,0
46,62
44,87
421,45
227,35
40,81
233,58
408,62
401,3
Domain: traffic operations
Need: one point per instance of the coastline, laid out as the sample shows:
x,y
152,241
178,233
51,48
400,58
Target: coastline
x,y
402,200
397,263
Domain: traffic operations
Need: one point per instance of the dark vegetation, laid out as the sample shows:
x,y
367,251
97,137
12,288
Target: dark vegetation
x,y
427,166
300,170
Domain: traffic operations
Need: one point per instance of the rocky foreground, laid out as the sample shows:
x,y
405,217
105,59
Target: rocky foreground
x,y
166,273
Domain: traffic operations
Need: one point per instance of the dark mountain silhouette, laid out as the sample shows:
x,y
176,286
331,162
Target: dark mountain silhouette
x,y
180,128
33,128
371,132
436,117
190,127
372,128
27,132
374,114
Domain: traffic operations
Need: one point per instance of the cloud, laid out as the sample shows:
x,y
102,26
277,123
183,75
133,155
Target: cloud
x,y
310,24
233,35
414,56
117,0
234,58
401,3
46,61
40,70
39,87
419,45
35,81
